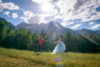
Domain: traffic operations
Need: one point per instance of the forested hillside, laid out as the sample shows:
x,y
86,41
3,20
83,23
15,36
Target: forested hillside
x,y
24,38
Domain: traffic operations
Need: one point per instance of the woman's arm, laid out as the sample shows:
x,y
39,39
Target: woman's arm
x,y
56,42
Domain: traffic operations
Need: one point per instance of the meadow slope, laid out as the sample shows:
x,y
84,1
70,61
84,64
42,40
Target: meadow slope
x,y
23,58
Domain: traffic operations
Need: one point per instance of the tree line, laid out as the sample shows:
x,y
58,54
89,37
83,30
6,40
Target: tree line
x,y
26,40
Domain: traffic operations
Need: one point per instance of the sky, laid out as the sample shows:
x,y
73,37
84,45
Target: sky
x,y
73,14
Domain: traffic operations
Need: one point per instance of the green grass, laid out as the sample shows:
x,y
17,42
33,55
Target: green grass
x,y
22,58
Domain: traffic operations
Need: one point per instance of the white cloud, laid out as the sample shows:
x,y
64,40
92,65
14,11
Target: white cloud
x,y
40,1
65,6
15,15
56,9
59,9
0,1
46,6
94,17
95,26
7,13
0,4
70,9
89,8
24,19
28,15
34,18
91,23
76,26
66,23
9,5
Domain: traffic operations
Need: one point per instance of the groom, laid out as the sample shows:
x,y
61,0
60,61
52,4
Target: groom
x,y
40,43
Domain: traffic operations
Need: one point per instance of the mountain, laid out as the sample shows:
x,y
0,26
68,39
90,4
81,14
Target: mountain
x,y
77,40
9,25
91,35
97,31
52,29
88,32
55,29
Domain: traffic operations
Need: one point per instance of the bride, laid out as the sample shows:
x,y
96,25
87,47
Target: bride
x,y
60,47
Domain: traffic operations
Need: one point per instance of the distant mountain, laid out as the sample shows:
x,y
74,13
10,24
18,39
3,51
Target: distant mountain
x,y
52,29
88,32
97,31
9,25
77,40
91,35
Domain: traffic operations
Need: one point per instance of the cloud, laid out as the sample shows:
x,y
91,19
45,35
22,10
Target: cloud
x,y
66,23
0,1
0,4
79,4
40,1
58,9
76,26
91,23
34,19
7,13
46,6
15,15
9,5
65,5
28,15
69,10
89,7
65,8
96,26
31,18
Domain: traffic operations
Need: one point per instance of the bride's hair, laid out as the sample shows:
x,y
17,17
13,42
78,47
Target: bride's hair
x,y
61,38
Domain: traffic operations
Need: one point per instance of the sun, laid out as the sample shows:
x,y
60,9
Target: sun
x,y
46,7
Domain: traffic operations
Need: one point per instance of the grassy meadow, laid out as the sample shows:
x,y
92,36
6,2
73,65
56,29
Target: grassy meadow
x,y
23,58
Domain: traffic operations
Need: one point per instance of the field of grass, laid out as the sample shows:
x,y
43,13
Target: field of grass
x,y
22,58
